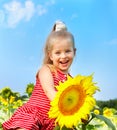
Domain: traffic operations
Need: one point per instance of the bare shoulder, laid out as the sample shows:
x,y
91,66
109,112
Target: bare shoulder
x,y
44,71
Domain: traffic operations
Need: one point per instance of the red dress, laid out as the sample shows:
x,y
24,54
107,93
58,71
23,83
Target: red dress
x,y
33,114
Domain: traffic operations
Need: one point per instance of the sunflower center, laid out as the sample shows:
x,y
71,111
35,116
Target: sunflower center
x,y
71,100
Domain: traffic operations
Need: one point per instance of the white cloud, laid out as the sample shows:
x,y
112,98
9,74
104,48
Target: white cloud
x,y
29,9
15,11
50,2
41,10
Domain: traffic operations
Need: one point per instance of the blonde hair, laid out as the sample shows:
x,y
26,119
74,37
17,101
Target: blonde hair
x,y
59,31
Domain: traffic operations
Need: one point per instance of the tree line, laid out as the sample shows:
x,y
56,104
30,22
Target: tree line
x,y
112,103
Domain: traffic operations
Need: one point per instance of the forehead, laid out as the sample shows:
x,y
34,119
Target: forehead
x,y
62,43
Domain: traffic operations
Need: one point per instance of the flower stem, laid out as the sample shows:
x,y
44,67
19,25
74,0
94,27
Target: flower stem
x,y
83,127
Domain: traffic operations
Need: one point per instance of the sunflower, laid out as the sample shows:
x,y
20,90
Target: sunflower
x,y
73,101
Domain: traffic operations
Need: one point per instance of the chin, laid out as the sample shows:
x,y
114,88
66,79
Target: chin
x,y
64,70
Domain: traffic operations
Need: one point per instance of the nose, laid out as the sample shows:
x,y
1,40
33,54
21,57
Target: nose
x,y
63,55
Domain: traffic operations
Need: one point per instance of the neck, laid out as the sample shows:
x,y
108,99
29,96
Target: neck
x,y
64,72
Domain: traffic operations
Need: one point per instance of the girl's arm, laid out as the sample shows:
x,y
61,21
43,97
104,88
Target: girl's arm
x,y
47,82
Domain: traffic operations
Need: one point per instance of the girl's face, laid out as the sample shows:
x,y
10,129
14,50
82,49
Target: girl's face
x,y
62,54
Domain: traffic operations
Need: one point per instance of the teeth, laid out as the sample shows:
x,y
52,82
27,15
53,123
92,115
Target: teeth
x,y
63,62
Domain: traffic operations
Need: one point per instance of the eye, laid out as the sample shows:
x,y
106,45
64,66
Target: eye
x,y
57,52
67,51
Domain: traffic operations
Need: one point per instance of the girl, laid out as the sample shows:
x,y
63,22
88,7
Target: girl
x,y
59,54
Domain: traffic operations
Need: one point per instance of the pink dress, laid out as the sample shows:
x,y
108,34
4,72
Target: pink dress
x,y
33,114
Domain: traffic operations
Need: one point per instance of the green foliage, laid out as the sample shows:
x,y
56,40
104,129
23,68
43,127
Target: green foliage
x,y
112,103
63,128
105,119
29,89
9,102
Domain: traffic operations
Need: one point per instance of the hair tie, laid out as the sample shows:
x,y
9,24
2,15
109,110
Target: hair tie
x,y
59,26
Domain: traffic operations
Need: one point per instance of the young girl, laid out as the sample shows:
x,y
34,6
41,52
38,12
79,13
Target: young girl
x,y
59,54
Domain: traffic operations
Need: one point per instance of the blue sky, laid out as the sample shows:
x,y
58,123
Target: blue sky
x,y
25,25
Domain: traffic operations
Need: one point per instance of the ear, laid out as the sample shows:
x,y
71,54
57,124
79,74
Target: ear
x,y
50,56
74,51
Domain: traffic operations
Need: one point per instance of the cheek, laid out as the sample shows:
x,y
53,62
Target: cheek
x,y
53,58
72,55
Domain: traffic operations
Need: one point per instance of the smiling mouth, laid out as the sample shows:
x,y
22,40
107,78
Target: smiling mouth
x,y
64,62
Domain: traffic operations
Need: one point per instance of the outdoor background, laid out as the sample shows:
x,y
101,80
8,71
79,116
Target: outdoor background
x,y
25,25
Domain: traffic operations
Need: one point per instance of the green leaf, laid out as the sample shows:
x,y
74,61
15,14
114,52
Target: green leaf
x,y
63,128
90,127
0,126
106,120
57,128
